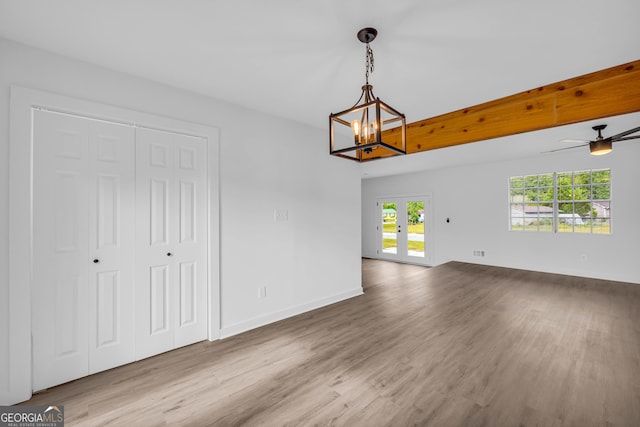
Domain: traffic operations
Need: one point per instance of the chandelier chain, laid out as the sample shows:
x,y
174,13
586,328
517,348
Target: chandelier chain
x,y
369,64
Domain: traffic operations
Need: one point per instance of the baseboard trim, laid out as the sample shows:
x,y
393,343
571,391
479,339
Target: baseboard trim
x,y
256,322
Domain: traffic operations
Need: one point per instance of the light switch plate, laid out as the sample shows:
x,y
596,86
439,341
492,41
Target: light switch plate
x,y
281,215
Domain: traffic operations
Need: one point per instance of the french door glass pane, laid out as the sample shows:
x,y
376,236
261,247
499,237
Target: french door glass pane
x,y
389,228
415,228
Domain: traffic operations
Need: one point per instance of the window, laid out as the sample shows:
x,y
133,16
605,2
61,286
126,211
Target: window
x,y
563,202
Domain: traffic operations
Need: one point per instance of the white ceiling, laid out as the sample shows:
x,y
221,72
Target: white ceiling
x,y
300,59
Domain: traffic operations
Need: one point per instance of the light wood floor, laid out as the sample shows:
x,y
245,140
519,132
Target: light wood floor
x,y
455,345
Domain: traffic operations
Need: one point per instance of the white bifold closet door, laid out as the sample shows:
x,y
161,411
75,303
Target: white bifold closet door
x,y
83,233
171,241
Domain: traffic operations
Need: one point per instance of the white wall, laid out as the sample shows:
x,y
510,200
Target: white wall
x,y
475,198
266,163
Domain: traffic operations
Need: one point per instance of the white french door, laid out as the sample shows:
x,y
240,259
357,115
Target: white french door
x,y
83,232
404,229
171,254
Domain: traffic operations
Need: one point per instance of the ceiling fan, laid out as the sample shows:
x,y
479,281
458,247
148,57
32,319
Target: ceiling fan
x,y
600,145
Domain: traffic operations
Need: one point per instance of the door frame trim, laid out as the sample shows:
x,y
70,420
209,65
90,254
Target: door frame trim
x,y
23,101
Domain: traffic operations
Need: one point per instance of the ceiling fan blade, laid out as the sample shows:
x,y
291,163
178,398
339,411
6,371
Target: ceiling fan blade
x,y
626,138
566,148
586,141
623,134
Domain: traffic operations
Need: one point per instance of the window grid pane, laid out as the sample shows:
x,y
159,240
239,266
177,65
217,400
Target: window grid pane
x,y
579,202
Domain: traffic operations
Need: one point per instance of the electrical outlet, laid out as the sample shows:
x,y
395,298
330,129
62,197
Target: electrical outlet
x,y
478,253
583,258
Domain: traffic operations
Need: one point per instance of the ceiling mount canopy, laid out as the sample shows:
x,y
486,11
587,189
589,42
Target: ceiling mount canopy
x,y
367,35
356,133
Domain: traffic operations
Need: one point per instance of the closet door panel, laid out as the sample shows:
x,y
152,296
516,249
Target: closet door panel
x,y
190,233
108,331
158,213
155,212
61,258
159,300
111,245
171,217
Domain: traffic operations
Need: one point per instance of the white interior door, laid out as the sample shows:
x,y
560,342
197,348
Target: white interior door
x,y
171,171
83,263
404,229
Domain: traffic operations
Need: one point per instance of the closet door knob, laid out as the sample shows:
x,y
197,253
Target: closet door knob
x,y
169,254
95,261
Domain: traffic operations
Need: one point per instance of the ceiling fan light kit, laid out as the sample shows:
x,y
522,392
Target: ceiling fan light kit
x,y
598,148
602,145
357,133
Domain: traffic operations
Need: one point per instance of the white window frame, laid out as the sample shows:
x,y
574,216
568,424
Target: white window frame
x,y
555,202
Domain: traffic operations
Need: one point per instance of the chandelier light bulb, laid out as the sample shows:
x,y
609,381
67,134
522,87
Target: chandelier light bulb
x,y
355,127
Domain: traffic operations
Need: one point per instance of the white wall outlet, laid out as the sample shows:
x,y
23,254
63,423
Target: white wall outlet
x,y
583,258
281,215
478,252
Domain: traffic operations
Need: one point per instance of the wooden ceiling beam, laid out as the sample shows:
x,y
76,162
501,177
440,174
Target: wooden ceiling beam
x,y
604,93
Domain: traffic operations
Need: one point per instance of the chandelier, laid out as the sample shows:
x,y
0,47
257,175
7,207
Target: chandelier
x,y
357,133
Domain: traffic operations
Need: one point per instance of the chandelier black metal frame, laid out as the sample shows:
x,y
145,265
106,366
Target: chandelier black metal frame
x,y
368,120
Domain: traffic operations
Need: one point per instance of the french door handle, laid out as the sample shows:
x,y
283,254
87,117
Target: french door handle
x,y
169,254
95,261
